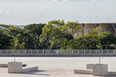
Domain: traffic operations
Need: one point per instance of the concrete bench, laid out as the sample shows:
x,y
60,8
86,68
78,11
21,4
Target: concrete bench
x,y
30,69
76,71
3,65
6,65
16,67
112,73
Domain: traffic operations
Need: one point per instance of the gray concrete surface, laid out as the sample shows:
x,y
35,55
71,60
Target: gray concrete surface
x,y
57,66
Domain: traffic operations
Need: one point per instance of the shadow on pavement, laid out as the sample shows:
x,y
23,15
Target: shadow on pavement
x,y
39,72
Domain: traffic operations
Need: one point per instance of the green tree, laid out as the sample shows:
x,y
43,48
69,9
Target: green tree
x,y
4,40
59,39
73,26
53,37
13,31
56,23
34,31
107,39
26,40
87,41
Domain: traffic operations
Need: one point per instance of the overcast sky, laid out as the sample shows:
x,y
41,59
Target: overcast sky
x,y
21,12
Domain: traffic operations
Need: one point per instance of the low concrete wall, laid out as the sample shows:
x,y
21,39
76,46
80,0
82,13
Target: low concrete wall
x,y
112,73
30,69
4,65
83,71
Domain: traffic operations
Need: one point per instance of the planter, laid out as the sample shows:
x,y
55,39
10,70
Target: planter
x,y
14,67
100,70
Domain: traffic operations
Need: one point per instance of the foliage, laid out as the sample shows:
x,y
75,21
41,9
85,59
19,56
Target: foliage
x,y
87,41
4,41
107,39
34,31
74,26
54,35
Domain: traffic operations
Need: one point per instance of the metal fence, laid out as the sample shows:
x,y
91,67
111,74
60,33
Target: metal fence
x,y
30,52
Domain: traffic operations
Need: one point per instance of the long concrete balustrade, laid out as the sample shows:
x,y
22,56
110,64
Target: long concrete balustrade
x,y
57,52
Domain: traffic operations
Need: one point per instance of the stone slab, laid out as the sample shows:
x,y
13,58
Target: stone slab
x,y
112,73
30,69
76,71
6,65
3,65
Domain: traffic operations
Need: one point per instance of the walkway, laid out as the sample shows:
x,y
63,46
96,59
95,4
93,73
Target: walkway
x,y
56,66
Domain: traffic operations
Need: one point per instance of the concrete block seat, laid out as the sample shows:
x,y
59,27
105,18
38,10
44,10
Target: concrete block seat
x,y
6,65
16,67
77,71
30,69
112,73
96,70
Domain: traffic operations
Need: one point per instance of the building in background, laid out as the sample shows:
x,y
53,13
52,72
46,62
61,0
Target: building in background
x,y
87,27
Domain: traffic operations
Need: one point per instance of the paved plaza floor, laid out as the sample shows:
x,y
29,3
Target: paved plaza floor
x,y
57,66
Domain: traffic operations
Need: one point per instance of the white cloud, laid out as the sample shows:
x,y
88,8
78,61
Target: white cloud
x,y
4,12
7,12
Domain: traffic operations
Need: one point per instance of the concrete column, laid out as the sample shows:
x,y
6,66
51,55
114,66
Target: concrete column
x,y
84,51
7,52
37,51
78,52
114,26
100,70
43,52
19,51
90,52
72,52
83,28
83,25
115,31
97,25
31,52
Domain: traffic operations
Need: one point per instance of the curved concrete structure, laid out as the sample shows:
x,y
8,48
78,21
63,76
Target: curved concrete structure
x,y
87,27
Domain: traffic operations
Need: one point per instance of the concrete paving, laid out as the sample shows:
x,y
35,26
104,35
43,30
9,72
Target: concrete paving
x,y
57,66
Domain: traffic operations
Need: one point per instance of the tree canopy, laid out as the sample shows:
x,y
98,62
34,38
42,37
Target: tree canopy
x,y
56,34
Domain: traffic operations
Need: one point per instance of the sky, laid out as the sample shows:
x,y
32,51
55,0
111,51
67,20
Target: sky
x,y
23,12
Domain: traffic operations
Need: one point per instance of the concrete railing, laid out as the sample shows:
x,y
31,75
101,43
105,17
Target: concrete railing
x,y
30,52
